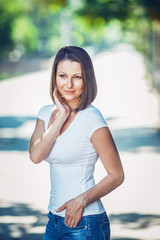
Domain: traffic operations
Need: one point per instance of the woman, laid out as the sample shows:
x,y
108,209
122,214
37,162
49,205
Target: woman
x,y
70,135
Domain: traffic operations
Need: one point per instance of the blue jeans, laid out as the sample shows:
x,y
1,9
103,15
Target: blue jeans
x,y
91,227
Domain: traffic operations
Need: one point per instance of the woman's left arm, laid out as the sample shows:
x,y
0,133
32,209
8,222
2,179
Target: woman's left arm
x,y
105,147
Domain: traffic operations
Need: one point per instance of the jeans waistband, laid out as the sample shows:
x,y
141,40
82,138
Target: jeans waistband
x,y
99,216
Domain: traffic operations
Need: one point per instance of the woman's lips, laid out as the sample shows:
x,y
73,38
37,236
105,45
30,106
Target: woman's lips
x,y
69,92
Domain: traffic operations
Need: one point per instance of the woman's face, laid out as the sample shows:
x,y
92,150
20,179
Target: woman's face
x,y
69,81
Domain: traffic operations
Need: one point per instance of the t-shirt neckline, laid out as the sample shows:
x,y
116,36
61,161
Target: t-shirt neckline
x,y
72,123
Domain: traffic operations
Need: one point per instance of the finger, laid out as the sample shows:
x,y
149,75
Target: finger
x,y
61,208
77,221
68,221
58,96
54,93
66,106
55,90
72,223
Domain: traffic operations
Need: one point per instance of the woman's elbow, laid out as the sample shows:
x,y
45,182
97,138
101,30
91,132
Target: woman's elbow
x,y
120,178
34,157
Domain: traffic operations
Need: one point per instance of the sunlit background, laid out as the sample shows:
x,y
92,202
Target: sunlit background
x,y
123,40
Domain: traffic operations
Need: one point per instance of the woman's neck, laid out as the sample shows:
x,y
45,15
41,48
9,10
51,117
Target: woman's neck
x,y
73,106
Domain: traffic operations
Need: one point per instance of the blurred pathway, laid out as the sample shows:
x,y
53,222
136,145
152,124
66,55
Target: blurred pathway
x,y
132,115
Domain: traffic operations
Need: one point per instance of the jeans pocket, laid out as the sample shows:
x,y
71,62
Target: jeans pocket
x,y
80,225
105,228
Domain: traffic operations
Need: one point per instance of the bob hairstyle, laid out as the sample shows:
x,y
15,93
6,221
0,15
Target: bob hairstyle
x,y
77,54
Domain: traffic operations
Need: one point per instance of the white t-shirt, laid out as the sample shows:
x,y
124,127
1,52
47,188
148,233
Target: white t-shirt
x,y
72,159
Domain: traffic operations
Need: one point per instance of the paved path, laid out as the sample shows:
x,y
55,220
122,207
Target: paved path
x,y
132,115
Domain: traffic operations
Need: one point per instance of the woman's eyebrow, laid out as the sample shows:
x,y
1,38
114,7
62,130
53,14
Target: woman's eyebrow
x,y
66,73
62,72
76,73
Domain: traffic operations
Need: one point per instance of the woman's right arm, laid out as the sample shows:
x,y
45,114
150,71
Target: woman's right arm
x,y
41,142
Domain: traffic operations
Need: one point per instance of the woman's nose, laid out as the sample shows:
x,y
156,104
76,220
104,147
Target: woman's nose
x,y
69,82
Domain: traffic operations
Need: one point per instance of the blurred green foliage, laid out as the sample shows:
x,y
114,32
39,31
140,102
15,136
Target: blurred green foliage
x,y
40,26
27,26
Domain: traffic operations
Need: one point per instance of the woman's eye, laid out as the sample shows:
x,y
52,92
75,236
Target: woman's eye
x,y
78,77
62,76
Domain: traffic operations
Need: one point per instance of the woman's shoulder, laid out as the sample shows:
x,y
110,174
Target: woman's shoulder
x,y
91,109
92,113
93,120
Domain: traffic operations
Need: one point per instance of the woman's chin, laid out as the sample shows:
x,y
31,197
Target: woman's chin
x,y
69,97
71,100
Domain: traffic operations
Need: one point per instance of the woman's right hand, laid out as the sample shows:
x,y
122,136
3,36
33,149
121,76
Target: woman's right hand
x,y
61,104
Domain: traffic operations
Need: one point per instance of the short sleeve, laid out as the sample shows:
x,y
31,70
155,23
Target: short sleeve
x,y
94,120
41,113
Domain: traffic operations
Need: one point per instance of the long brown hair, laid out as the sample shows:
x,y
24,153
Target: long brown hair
x,y
77,54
